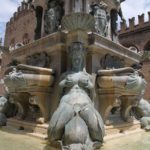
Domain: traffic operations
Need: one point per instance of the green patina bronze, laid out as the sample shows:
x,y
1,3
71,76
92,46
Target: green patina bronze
x,y
71,124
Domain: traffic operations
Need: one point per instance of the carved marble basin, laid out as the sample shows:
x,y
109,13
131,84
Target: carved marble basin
x,y
29,85
128,83
18,79
28,80
78,21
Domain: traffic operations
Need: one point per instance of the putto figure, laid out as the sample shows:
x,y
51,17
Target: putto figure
x,y
99,11
53,16
71,123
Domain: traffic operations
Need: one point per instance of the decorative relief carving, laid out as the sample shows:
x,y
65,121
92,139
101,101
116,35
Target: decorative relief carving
x,y
53,16
99,11
38,59
108,62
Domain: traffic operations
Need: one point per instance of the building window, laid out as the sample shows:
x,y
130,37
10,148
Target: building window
x,y
26,39
12,44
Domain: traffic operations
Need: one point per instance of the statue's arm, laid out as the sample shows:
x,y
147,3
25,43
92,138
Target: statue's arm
x,y
121,14
62,85
92,91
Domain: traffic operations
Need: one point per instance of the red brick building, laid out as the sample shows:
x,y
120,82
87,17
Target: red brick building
x,y
23,25
138,37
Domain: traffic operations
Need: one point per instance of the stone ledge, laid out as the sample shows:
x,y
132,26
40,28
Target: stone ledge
x,y
40,130
104,46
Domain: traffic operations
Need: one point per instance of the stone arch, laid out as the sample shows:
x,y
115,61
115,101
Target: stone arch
x,y
147,46
12,42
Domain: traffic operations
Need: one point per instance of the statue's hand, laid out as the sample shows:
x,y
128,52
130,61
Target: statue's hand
x,y
84,83
69,82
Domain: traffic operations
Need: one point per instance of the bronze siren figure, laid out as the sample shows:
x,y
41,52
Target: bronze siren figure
x,y
71,123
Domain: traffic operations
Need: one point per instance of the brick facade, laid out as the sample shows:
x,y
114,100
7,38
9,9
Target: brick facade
x,y
138,36
21,30
21,27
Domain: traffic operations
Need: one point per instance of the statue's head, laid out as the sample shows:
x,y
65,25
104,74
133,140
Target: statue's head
x,y
52,3
77,56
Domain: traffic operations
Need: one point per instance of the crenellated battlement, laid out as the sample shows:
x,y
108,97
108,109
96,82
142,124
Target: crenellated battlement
x,y
22,10
142,23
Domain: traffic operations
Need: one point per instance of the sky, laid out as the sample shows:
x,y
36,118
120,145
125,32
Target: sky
x,y
131,8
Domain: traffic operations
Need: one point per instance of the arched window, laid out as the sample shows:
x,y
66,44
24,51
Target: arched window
x,y
12,44
26,39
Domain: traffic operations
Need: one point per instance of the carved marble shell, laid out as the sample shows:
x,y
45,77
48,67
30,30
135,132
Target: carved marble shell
x,y
78,21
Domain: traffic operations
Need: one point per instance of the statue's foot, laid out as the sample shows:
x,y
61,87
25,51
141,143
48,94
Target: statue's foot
x,y
3,120
40,120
